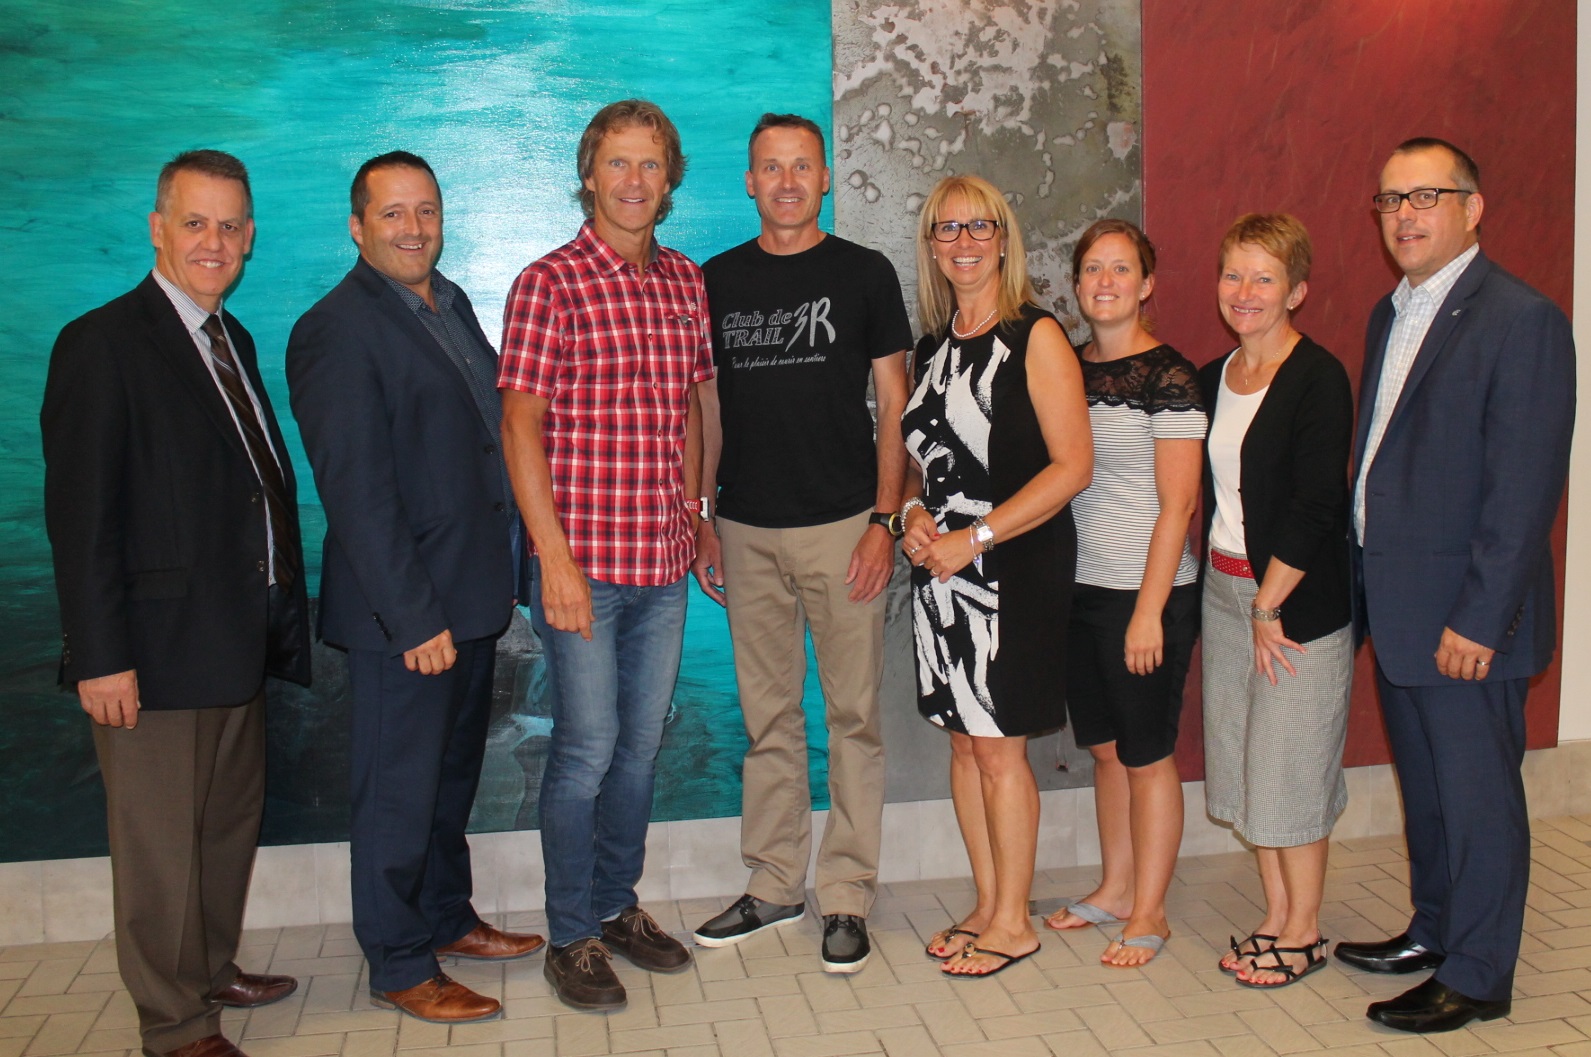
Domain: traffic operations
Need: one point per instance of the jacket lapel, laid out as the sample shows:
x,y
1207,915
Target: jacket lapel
x,y
1379,331
419,337
174,345
1448,319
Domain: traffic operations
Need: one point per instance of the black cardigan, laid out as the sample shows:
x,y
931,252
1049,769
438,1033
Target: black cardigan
x,y
1294,484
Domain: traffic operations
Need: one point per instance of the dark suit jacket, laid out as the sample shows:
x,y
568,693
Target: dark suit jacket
x,y
155,513
1293,480
1464,488
417,525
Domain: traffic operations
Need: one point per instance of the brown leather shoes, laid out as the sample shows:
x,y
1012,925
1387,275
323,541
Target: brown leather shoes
x,y
582,975
209,1046
439,1000
249,990
492,945
642,940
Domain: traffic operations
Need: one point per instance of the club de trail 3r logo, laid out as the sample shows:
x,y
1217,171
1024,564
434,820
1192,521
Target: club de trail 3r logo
x,y
780,329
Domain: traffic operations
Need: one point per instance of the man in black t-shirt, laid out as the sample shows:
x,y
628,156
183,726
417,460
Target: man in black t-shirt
x,y
807,501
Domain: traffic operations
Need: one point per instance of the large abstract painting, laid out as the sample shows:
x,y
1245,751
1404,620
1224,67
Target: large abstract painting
x,y
96,96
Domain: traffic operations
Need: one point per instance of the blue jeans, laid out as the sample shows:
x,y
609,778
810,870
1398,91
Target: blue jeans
x,y
609,699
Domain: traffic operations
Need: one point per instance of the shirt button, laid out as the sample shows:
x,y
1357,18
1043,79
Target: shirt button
x,y
260,566
498,507
490,449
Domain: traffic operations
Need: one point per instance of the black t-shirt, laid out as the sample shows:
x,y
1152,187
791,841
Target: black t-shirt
x,y
794,339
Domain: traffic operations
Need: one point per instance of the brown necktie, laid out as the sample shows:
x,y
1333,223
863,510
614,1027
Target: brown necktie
x,y
283,567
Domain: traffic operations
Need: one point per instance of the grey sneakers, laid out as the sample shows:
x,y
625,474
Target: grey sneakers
x,y
845,945
747,917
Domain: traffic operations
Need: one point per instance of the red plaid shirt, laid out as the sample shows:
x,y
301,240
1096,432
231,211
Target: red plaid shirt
x,y
615,356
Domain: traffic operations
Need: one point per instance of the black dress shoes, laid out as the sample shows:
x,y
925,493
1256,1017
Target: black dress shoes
x,y
1400,954
1433,1006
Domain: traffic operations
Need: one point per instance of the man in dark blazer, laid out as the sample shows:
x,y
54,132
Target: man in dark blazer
x,y
394,387
171,510
1466,413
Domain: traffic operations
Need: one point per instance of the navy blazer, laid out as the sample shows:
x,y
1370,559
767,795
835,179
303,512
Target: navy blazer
x,y
1463,491
417,525
1293,482
155,513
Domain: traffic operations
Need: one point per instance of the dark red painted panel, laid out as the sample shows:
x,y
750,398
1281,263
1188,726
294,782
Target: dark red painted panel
x,y
1255,105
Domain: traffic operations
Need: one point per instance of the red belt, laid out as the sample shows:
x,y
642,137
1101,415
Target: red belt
x,y
1226,563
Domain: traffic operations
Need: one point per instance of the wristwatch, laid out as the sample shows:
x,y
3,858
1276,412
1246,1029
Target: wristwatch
x,y
891,522
982,537
699,508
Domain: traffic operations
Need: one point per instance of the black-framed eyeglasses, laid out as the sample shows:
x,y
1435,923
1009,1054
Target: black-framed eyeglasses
x,y
1419,198
948,230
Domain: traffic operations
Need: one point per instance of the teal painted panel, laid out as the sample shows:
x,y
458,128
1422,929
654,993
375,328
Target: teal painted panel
x,y
94,97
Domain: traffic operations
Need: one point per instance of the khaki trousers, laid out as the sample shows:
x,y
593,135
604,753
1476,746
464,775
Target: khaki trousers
x,y
183,794
779,582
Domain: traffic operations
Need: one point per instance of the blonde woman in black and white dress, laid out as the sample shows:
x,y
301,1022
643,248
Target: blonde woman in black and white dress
x,y
999,431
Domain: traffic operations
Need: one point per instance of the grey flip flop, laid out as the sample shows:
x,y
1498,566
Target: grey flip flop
x,y
1150,942
1088,912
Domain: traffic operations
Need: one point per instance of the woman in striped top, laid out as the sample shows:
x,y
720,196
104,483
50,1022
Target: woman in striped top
x,y
1135,609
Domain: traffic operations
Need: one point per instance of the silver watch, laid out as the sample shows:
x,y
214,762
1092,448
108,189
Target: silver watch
x,y
982,537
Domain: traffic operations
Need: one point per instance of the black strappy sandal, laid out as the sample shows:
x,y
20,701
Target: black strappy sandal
x,y
1251,940
1312,961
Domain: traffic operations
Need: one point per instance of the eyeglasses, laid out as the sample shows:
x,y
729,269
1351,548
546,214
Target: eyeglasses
x,y
1419,198
948,230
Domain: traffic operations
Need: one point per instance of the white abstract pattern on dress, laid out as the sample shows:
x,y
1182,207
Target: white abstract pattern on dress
x,y
956,624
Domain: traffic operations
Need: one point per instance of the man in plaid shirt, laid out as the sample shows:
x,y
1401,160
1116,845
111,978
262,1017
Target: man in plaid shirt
x,y
604,341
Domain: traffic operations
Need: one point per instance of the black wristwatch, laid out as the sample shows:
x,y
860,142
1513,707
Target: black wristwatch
x,y
891,522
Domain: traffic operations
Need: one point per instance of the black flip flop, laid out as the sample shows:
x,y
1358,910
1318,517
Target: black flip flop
x,y
1010,959
948,934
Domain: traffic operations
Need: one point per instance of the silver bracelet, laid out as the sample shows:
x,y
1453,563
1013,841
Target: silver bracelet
x,y
914,503
1264,615
982,537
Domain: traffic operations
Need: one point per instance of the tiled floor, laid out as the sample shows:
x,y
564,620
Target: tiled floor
x,y
768,998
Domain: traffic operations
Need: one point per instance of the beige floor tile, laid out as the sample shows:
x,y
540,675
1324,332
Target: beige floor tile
x,y
767,998
840,1045
744,1038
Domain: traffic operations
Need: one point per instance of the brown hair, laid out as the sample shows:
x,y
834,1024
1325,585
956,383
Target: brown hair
x,y
1465,172
625,114
1282,235
771,120
1114,226
218,164
935,301
359,190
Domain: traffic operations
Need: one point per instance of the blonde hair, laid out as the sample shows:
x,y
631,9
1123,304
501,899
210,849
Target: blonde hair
x,y
1281,235
936,302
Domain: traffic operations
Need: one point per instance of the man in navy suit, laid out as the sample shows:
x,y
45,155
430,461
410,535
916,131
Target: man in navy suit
x,y
394,386
1466,412
171,509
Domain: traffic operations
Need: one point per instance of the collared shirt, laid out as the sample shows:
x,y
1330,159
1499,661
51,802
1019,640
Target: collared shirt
x,y
615,355
1415,309
193,317
477,363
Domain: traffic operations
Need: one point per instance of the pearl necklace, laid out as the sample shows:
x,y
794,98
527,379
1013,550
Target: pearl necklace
x,y
980,324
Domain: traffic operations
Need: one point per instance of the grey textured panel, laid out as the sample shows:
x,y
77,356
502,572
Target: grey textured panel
x,y
1041,97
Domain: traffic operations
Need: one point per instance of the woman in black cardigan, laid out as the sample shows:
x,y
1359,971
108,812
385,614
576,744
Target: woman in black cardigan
x,y
1278,648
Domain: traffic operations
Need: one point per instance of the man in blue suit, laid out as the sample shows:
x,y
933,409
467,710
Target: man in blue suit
x,y
1466,412
395,389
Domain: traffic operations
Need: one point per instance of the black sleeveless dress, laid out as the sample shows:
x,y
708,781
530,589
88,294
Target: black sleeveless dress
x,y
990,643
